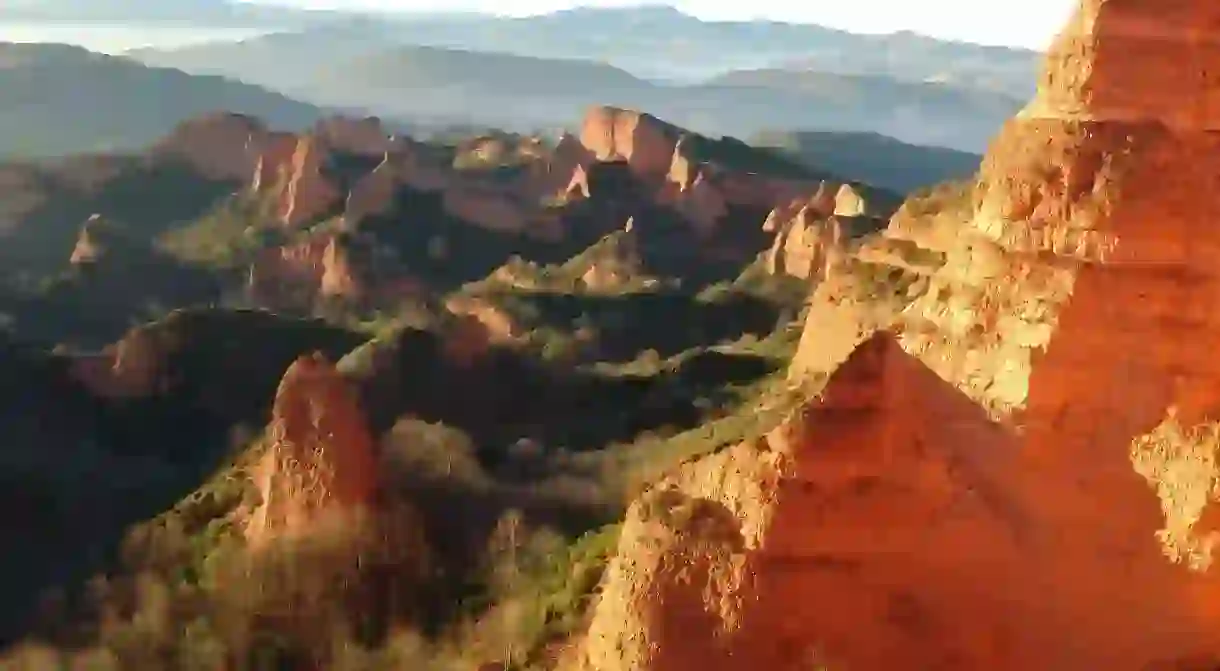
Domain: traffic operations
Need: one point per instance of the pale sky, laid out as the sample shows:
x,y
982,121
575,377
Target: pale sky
x,y
1027,23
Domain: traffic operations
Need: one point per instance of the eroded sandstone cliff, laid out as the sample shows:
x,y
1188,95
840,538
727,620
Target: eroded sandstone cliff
x,y
890,523
1102,175
320,455
1025,477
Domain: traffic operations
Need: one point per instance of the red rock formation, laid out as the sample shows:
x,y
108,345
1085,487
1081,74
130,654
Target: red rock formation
x,y
284,167
289,274
892,524
131,368
320,457
813,233
290,168
1124,180
660,157
363,137
342,277
297,274
645,142
271,166
1123,174
802,248
578,185
222,146
308,194
375,194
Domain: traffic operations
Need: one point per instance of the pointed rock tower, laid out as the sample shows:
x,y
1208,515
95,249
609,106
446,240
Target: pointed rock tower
x,y
320,456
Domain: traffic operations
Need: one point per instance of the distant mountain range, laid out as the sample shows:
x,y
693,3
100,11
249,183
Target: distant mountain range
x,y
60,99
358,65
872,158
660,42
214,12
523,74
651,41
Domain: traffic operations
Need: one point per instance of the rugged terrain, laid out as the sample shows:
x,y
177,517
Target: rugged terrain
x,y
484,346
660,43
631,398
475,84
1016,469
63,100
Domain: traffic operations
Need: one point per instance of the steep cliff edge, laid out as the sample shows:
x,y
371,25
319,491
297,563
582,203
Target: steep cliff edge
x,y
891,524
1026,477
1069,190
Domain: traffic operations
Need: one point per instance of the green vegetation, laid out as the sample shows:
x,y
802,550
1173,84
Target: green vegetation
x,y
188,594
227,236
506,462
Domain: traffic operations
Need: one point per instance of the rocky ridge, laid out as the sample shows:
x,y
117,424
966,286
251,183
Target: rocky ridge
x,y
533,194
1027,481
347,213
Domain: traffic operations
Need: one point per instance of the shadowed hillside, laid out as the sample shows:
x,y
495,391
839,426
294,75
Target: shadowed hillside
x,y
872,158
62,100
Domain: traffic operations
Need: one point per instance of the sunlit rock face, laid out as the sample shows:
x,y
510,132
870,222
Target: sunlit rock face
x,y
1026,476
320,458
890,523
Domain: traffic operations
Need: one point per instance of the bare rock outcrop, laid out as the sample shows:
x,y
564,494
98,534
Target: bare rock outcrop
x,y
646,143
888,524
328,545
362,137
327,265
812,233
1062,204
320,455
290,274
343,274
668,163
221,146
304,193
1027,480
293,170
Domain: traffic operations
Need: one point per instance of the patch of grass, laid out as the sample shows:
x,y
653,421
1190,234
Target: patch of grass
x,y
545,595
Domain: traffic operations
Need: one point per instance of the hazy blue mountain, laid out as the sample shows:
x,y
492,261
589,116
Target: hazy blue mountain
x,y
216,12
871,158
359,64
651,41
658,41
60,99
